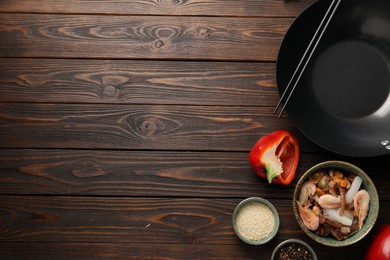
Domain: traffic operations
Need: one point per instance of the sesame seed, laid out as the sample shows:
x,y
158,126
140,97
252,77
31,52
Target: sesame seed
x,y
255,221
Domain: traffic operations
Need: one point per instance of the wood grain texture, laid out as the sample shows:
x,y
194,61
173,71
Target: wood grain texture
x,y
125,128
133,220
136,127
157,251
138,82
141,37
154,174
138,220
76,251
249,8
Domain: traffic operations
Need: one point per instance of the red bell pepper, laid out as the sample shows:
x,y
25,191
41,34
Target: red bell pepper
x,y
379,248
275,157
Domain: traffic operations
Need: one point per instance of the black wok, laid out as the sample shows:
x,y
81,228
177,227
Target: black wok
x,y
342,101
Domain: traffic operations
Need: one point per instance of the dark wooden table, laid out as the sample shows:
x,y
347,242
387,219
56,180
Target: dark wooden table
x,y
125,128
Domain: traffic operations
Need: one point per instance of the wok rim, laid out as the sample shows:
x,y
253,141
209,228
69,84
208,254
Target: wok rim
x,y
376,149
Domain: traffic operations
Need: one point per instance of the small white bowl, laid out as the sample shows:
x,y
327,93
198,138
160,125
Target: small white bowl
x,y
269,206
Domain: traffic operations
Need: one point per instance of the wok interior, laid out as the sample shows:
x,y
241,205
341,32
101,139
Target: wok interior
x,y
345,64
343,100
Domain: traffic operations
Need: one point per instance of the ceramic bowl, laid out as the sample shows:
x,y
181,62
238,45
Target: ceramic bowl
x,y
290,242
270,212
367,184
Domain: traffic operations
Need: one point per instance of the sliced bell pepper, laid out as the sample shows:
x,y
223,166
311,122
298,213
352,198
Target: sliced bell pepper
x,y
275,156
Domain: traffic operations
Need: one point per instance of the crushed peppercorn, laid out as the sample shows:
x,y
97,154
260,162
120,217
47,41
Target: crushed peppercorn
x,y
293,251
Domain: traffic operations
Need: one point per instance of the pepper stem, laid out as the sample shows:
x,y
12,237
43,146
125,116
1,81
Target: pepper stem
x,y
272,172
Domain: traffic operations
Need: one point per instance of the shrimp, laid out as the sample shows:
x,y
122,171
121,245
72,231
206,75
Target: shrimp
x,y
308,217
328,201
308,189
316,210
361,203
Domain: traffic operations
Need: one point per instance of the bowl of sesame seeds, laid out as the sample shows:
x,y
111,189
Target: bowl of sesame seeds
x,y
255,221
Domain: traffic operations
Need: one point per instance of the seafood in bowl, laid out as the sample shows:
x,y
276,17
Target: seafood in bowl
x,y
332,203
336,203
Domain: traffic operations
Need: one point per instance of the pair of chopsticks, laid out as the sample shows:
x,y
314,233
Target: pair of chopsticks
x,y
307,56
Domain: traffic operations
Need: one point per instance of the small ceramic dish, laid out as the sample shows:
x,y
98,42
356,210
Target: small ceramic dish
x,y
293,249
367,184
255,221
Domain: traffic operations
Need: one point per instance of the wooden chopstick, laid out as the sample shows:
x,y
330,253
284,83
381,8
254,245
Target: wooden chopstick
x,y
307,55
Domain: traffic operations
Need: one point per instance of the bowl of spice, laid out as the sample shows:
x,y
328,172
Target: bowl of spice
x,y
293,249
255,221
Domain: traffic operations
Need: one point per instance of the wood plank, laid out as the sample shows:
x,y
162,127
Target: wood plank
x,y
77,251
130,220
141,37
150,174
248,8
133,220
138,82
158,251
137,127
